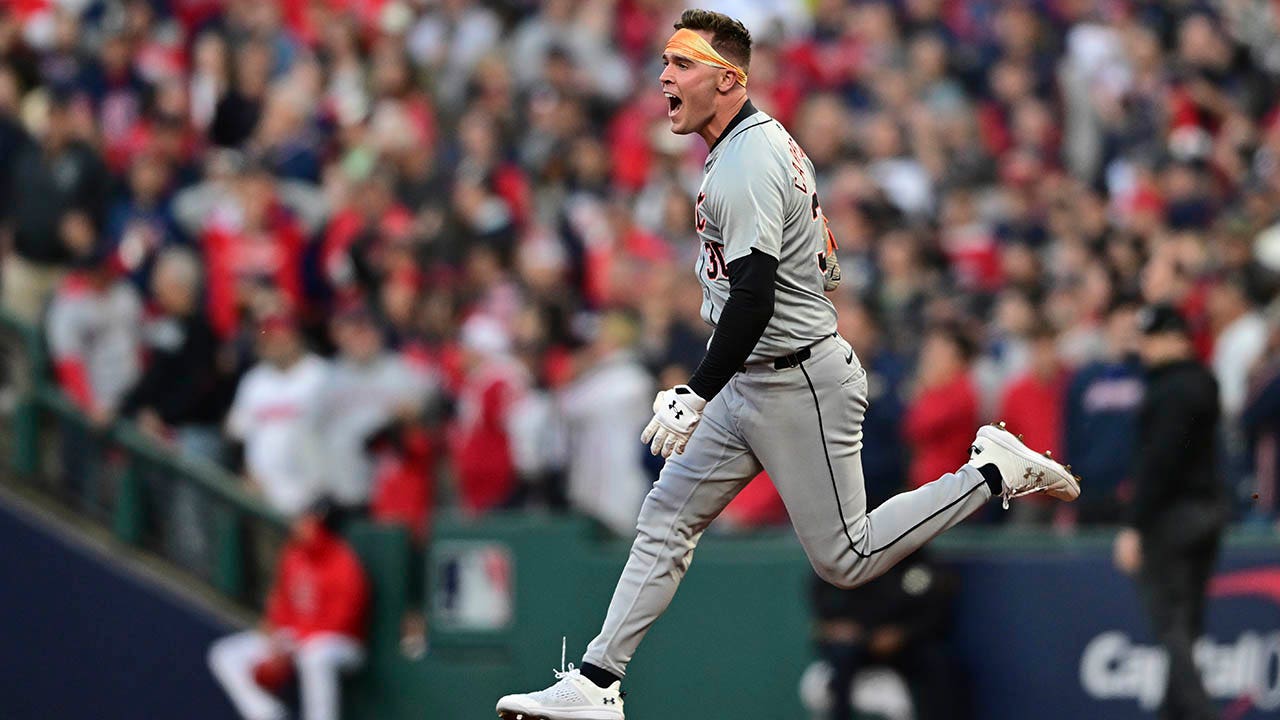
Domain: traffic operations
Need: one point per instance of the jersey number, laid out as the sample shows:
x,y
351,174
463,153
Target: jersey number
x,y
716,266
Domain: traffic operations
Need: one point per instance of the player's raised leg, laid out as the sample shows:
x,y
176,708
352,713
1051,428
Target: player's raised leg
x,y
692,490
818,473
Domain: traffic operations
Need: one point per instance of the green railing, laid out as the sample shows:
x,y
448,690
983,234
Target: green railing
x,y
23,367
190,511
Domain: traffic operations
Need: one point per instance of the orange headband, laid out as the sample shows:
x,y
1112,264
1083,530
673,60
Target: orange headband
x,y
695,47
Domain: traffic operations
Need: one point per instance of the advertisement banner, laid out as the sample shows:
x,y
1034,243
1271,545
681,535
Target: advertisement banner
x,y
1064,638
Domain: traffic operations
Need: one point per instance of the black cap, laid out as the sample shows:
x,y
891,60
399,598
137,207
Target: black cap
x,y
1162,318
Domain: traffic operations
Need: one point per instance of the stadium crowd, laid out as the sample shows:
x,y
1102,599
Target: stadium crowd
x,y
438,253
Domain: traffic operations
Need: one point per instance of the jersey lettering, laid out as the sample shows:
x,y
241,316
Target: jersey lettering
x,y
716,266
765,160
797,157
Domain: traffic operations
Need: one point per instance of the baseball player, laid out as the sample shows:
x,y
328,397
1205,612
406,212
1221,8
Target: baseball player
x,y
777,390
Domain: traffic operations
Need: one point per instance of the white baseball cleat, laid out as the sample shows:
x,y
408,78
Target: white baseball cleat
x,y
573,697
1023,471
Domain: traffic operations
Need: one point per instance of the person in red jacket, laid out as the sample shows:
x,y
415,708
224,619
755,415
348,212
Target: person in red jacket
x,y
404,480
1033,403
939,421
260,251
314,625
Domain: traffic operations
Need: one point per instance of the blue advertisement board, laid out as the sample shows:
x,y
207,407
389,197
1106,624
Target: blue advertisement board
x,y
83,638
1064,638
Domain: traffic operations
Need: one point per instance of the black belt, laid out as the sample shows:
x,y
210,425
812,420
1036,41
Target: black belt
x,y
792,360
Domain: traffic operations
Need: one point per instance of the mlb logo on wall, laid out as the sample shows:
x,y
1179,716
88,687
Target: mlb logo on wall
x,y
473,585
1244,672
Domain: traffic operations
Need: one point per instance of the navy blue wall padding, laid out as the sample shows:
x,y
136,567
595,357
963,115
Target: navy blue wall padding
x,y
83,639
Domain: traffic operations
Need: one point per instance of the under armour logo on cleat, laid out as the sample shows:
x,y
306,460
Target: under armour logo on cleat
x,y
1027,475
610,701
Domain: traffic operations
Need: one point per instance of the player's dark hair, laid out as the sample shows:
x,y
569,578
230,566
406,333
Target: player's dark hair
x,y
729,37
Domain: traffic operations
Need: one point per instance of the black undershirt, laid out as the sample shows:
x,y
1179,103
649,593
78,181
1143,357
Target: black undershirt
x,y
743,320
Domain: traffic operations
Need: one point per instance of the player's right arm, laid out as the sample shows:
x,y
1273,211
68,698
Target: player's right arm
x,y
745,316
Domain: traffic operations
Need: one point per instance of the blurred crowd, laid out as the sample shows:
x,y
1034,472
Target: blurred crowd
x,y
416,254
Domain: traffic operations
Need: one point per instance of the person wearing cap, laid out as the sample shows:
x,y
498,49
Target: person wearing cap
x,y
276,414
314,628
1179,509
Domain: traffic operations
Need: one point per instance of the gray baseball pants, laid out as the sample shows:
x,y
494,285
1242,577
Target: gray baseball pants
x,y
804,426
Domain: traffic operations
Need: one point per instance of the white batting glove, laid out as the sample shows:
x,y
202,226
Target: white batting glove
x,y
676,413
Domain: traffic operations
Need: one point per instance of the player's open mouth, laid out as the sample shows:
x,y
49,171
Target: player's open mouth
x,y
673,104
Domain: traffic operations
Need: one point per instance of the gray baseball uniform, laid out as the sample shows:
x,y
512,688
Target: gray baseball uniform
x,y
800,420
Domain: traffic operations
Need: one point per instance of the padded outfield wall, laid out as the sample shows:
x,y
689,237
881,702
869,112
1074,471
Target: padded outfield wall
x,y
1046,627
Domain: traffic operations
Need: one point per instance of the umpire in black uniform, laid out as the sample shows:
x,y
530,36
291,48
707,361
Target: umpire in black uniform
x,y
1180,507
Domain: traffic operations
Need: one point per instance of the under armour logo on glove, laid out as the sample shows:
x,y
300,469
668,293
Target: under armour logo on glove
x,y
676,413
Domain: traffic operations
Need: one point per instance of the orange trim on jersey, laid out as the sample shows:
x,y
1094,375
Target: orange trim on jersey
x,y
690,44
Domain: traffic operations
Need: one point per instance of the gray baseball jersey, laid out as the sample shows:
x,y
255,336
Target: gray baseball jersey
x,y
759,193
